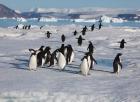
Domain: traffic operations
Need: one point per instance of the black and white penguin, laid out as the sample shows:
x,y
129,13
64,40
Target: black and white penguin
x,y
47,54
75,33
90,47
61,61
53,59
84,67
91,60
117,65
92,27
122,42
69,54
41,57
100,25
83,32
80,39
48,34
33,60
63,38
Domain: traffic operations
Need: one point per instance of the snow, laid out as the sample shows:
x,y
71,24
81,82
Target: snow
x,y
45,19
17,83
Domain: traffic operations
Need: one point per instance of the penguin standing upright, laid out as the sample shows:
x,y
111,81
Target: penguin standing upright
x,y
84,68
90,47
100,25
92,27
117,65
91,60
53,59
48,34
70,54
80,39
47,54
62,49
63,38
75,33
40,57
33,60
122,42
61,61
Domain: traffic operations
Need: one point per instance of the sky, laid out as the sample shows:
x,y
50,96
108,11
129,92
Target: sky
x,y
25,5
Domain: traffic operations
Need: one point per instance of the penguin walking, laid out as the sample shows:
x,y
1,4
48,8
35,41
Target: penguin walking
x,y
53,58
61,61
48,34
33,60
70,54
75,33
92,27
47,54
90,47
122,42
91,60
80,39
40,57
83,32
117,65
63,38
100,25
84,68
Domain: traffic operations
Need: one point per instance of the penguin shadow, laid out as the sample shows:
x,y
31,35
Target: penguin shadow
x,y
23,64
64,70
106,65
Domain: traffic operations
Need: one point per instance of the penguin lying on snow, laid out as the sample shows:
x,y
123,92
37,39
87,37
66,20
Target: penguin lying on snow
x,y
33,59
117,65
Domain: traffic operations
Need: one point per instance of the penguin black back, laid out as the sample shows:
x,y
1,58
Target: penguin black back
x,y
117,62
63,38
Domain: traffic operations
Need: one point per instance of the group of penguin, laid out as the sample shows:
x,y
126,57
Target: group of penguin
x,y
41,57
65,55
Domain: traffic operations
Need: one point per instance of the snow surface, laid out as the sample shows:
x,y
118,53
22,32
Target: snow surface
x,y
18,84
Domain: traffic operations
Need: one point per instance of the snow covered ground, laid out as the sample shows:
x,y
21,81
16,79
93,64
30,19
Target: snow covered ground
x,y
18,84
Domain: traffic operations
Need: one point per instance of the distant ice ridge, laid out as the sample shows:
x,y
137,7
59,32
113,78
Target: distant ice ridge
x,y
21,19
84,20
44,19
107,19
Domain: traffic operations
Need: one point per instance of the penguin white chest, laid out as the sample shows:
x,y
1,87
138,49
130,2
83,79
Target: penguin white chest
x,y
61,61
84,67
119,68
33,62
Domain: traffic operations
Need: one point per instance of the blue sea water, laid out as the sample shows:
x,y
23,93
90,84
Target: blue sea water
x,y
13,22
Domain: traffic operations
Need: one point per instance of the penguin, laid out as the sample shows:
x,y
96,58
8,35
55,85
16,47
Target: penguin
x,y
92,27
91,60
83,32
40,57
80,39
100,25
117,65
69,55
61,61
48,34
53,58
122,42
75,33
63,38
47,54
84,68
33,60
62,49
90,47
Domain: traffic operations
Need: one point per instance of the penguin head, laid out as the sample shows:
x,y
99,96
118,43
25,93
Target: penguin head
x,y
41,48
119,54
33,52
47,48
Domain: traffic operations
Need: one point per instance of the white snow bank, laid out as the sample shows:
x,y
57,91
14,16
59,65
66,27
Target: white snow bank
x,y
45,19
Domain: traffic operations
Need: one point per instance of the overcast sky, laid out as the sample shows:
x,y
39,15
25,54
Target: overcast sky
x,y
24,5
